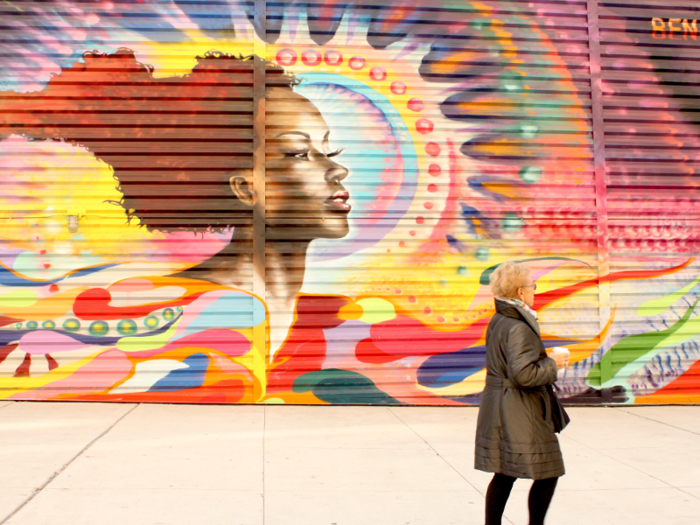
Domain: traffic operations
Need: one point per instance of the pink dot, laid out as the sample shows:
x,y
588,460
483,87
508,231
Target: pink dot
x,y
402,244
398,291
432,149
440,319
47,265
53,288
356,63
333,58
412,233
420,220
428,205
432,188
311,57
434,170
428,310
415,104
455,319
412,299
377,73
398,88
424,126
286,57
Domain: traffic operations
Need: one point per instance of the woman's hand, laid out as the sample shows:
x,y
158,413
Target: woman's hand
x,y
561,356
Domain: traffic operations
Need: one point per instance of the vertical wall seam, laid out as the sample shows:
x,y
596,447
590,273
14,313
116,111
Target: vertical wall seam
x,y
259,50
599,162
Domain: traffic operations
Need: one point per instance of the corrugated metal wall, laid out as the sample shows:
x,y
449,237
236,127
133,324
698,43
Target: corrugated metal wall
x,y
287,202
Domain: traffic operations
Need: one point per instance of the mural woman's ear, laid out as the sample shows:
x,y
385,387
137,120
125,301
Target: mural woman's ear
x,y
241,183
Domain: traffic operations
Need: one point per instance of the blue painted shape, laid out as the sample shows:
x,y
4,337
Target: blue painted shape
x,y
443,370
190,377
455,243
233,310
10,278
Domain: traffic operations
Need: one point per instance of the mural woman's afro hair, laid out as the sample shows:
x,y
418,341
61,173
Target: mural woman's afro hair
x,y
171,141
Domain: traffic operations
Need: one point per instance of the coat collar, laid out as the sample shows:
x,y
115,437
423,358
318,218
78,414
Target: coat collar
x,y
516,312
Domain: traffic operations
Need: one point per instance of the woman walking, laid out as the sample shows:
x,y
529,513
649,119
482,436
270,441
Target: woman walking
x,y
519,412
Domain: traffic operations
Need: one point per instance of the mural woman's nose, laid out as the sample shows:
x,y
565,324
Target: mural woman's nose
x,y
337,173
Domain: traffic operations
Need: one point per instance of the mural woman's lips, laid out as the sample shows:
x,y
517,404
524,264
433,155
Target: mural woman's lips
x,y
337,201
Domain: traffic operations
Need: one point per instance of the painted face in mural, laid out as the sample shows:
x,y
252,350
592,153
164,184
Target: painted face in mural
x,y
304,182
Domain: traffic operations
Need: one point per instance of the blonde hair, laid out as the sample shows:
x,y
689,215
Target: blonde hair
x,y
507,278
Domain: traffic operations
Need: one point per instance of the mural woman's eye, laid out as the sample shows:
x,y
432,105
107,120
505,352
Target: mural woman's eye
x,y
299,154
335,153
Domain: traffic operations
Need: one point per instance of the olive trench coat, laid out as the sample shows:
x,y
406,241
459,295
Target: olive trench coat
x,y
515,434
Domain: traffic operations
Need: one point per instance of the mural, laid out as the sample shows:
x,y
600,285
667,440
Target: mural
x,y
302,203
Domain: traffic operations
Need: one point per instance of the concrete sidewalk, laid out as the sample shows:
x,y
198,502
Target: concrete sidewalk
x,y
104,464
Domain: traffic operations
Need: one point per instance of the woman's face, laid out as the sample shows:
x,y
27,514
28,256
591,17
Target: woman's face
x,y
303,189
527,293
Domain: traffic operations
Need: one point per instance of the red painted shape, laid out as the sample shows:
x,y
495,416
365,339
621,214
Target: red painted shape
x,y
544,299
398,88
356,63
407,337
424,126
23,370
7,350
53,288
687,384
52,362
286,57
367,352
434,170
432,149
333,58
93,305
311,57
319,311
5,320
415,104
377,73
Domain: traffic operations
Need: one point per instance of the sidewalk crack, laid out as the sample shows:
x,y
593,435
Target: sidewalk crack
x,y
64,467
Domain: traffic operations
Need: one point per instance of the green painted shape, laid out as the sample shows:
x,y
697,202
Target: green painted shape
x,y
127,327
99,328
150,342
71,325
511,223
635,347
659,306
18,299
530,174
338,387
486,274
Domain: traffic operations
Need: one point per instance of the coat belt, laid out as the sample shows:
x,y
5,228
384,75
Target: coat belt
x,y
499,382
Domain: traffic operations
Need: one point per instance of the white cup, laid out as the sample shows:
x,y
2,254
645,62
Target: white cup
x,y
560,350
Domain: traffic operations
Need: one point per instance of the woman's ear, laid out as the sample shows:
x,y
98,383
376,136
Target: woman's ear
x,y
241,183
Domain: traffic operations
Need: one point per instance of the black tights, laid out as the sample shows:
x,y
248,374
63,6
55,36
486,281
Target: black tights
x,y
538,502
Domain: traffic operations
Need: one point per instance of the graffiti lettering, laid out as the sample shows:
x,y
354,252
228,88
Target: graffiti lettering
x,y
671,29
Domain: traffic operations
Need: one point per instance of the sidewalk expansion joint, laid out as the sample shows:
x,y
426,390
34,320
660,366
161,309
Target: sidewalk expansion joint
x,y
64,467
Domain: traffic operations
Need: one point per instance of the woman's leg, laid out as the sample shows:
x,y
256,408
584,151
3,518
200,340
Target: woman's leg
x,y
540,497
496,498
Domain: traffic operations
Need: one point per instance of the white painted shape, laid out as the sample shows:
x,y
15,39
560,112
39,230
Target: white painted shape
x,y
148,374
